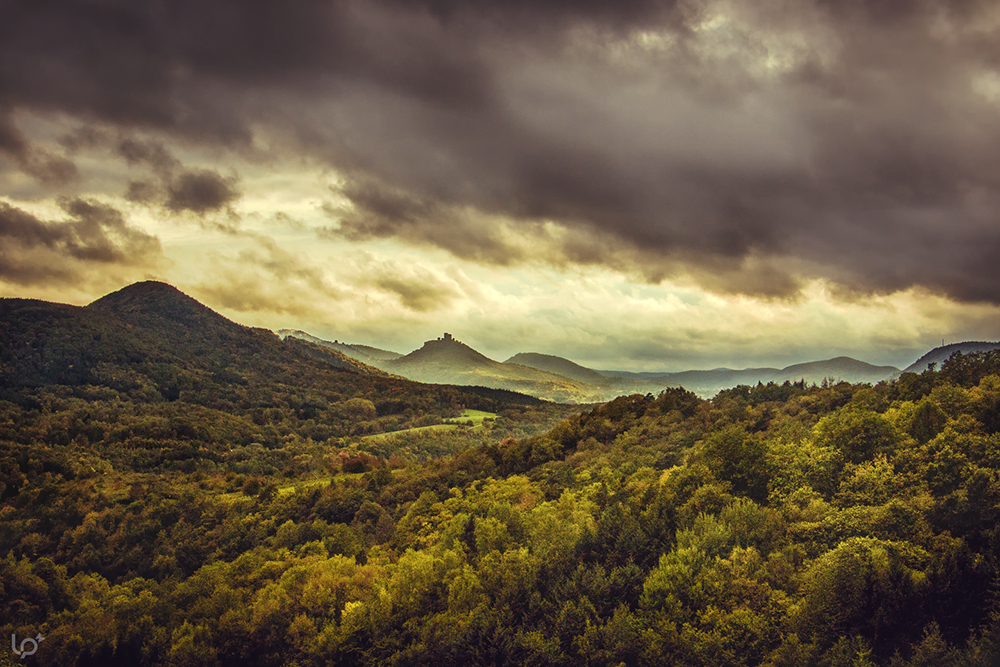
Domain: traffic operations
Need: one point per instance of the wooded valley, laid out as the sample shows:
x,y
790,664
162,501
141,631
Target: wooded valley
x,y
224,507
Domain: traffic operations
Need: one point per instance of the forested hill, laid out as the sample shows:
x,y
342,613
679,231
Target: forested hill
x,y
145,332
151,344
939,355
364,353
332,357
559,366
774,526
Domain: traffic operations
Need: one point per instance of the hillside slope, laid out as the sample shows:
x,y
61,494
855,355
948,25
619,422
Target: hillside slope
x,y
149,343
939,354
332,357
558,365
364,353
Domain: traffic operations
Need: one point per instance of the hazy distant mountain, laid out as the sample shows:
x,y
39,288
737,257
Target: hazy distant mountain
x,y
331,356
838,369
559,366
608,385
638,375
940,354
376,353
363,353
708,383
448,361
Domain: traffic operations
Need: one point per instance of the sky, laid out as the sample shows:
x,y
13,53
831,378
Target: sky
x,y
632,184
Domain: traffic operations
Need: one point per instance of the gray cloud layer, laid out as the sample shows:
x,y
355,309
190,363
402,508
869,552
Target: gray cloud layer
x,y
749,147
199,191
95,238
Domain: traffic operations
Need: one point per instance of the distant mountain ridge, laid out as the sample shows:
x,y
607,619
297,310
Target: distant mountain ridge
x,y
813,372
839,367
364,353
444,350
377,353
449,361
710,382
153,335
148,333
332,357
559,366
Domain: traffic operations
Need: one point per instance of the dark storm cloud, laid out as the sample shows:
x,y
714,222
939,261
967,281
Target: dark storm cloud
x,y
200,192
380,211
142,192
750,148
35,251
47,169
619,11
147,64
151,153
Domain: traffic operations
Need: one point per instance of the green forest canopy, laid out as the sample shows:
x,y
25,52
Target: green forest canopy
x,y
773,525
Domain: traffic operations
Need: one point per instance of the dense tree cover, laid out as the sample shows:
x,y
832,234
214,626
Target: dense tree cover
x,y
150,379
245,519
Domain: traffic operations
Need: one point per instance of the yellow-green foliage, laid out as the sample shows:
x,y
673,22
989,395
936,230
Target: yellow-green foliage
x,y
777,526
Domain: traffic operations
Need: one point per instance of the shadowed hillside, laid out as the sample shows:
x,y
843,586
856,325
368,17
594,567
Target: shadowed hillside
x,y
364,353
332,357
151,343
939,354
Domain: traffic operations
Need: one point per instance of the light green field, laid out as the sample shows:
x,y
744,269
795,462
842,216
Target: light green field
x,y
476,416
292,487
